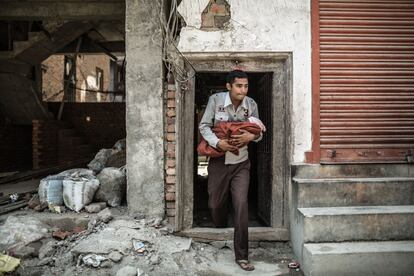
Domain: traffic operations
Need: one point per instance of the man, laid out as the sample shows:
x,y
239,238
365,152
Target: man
x,y
231,173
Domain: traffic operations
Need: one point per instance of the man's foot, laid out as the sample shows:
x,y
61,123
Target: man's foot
x,y
245,265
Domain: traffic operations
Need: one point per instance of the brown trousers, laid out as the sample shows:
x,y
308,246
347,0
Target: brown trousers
x,y
233,178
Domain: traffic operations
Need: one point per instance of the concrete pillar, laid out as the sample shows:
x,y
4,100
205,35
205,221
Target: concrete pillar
x,y
144,109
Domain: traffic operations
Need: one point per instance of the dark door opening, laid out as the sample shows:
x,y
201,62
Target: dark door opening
x,y
260,154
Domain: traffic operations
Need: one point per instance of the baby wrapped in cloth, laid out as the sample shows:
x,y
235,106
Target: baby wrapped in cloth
x,y
224,130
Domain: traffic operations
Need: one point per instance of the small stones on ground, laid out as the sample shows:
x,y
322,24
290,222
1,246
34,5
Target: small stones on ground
x,y
105,215
154,260
56,209
41,207
95,207
47,249
115,256
127,271
93,260
45,261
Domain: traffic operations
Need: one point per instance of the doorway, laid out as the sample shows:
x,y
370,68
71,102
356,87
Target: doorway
x,y
270,86
260,88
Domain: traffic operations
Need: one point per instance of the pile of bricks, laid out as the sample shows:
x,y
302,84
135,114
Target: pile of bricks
x,y
170,162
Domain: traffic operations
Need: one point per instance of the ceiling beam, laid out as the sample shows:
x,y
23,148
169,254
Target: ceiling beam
x,y
62,9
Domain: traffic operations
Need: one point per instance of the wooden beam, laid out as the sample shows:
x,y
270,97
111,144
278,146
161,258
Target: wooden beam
x,y
90,48
62,10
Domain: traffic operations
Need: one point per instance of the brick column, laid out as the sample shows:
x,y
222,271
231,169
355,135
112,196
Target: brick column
x,y
170,154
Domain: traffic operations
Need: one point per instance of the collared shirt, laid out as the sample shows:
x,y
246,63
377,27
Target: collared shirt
x,y
221,109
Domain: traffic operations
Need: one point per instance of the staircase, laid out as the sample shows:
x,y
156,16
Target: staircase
x,y
353,219
20,69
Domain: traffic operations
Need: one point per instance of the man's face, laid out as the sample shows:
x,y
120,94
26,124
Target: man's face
x,y
238,90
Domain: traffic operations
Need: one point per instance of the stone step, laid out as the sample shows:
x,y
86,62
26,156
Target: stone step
x,y
353,191
368,223
388,258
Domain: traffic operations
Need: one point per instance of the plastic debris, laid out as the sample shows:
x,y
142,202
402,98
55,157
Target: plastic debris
x,y
8,264
14,197
93,260
139,246
294,265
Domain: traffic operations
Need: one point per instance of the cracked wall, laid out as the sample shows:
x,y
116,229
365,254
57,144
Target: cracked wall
x,y
265,26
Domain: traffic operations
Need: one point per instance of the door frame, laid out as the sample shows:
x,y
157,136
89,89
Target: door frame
x,y
280,64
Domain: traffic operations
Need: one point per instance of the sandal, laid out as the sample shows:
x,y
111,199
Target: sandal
x,y
245,265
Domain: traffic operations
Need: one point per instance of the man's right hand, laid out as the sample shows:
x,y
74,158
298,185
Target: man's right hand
x,y
224,145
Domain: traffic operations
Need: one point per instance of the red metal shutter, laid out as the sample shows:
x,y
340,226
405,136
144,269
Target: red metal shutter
x,y
366,80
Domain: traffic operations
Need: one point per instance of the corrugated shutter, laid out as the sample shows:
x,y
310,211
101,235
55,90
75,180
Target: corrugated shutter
x,y
366,80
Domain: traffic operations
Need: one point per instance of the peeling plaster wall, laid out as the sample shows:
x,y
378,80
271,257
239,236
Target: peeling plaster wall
x,y
271,26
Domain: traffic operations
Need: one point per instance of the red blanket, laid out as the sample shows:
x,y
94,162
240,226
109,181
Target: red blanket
x,y
225,130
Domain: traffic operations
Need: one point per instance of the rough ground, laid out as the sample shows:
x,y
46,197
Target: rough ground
x,y
162,254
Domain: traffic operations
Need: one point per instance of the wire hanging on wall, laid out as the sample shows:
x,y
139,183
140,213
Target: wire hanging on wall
x,y
173,59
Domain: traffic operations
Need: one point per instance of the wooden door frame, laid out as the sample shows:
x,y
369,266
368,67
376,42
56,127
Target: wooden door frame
x,y
280,64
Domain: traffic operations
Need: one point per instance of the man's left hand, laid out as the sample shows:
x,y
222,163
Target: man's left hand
x,y
240,140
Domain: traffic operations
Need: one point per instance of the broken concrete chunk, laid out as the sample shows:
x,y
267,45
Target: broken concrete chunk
x,y
99,162
127,271
47,249
21,231
120,145
115,256
105,215
93,260
112,186
95,207
23,252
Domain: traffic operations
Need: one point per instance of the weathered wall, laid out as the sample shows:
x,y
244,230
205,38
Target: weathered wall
x,y
270,26
144,108
52,77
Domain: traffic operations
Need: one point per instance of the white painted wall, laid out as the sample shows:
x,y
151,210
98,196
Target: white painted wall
x,y
265,25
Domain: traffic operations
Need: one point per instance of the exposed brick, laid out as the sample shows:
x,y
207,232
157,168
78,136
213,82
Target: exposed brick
x,y
170,179
170,171
170,163
170,212
171,103
170,150
207,20
170,205
171,121
171,128
171,112
170,137
171,220
170,188
171,94
170,196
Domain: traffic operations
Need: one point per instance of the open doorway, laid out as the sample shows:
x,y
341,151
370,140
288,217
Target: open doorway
x,y
260,189
270,76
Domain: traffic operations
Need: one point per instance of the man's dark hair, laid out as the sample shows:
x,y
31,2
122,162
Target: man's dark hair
x,y
236,74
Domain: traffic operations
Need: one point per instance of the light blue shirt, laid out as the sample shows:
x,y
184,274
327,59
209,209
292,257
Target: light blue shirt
x,y
221,109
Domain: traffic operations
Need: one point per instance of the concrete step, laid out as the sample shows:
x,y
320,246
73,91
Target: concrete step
x,y
330,192
389,258
335,224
